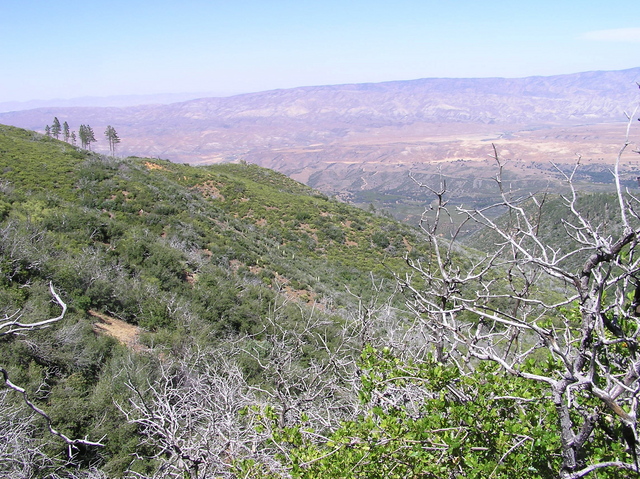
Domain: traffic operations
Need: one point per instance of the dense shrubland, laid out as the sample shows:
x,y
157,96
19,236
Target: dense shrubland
x,y
285,334
229,258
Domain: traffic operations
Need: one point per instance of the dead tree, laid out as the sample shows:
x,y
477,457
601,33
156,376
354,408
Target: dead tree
x,y
202,412
525,298
13,325
307,370
190,412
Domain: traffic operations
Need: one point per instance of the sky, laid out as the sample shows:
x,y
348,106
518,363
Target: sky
x,y
73,49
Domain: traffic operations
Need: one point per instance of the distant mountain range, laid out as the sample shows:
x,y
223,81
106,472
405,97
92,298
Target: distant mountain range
x,y
105,101
325,134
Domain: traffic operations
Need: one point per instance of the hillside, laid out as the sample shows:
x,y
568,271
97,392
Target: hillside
x,y
360,141
322,114
227,321
239,217
163,259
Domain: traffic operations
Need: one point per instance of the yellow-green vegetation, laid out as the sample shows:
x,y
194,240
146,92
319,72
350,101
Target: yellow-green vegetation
x,y
191,255
160,222
482,425
37,163
227,321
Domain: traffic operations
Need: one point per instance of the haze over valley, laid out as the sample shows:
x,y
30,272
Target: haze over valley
x,y
319,240
360,141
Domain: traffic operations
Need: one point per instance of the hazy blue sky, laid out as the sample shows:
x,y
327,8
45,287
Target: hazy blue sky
x,y
75,48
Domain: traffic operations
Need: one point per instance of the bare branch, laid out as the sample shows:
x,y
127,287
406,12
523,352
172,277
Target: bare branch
x,y
524,299
73,443
11,324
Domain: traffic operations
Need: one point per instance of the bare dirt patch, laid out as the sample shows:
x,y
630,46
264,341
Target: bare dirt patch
x,y
125,333
407,245
153,166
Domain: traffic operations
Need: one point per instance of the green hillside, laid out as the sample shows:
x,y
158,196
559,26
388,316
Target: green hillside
x,y
228,322
170,226
597,208
191,256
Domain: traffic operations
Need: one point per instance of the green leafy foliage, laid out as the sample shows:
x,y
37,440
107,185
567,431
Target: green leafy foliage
x,y
191,255
477,425
463,426
197,258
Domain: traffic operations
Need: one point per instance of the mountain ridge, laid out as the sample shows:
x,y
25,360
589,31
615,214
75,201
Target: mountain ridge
x,y
322,100
337,137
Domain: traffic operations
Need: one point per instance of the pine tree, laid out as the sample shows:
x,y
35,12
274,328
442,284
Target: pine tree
x,y
87,136
91,138
55,128
73,138
65,131
47,130
113,138
82,131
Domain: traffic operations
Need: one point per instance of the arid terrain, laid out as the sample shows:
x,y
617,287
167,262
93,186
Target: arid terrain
x,y
360,142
